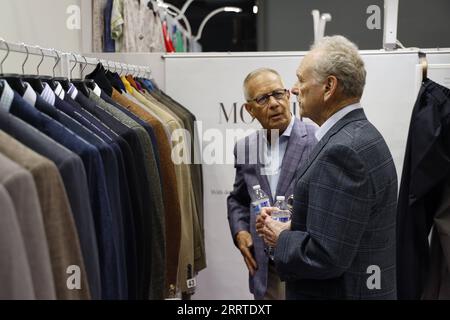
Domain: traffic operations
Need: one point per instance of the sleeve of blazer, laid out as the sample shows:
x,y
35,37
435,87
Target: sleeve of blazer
x,y
15,274
339,203
238,202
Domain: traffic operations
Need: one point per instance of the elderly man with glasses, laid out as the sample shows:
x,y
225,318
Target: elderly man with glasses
x,y
268,158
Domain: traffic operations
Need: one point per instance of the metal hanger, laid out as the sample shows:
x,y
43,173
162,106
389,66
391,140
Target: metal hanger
x,y
58,59
26,58
13,79
85,65
6,56
40,62
51,80
74,66
80,84
64,81
89,82
35,80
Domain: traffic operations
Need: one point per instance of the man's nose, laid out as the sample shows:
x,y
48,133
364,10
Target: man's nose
x,y
272,102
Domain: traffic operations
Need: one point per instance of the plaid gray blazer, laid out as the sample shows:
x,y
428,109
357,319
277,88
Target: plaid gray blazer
x,y
343,225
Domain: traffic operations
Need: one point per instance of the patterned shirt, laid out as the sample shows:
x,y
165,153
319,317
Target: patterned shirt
x,y
133,26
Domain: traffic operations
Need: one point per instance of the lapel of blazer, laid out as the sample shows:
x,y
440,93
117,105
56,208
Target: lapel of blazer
x,y
292,156
263,181
355,115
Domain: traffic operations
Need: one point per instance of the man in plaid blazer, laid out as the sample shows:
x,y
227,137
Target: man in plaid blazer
x,y
341,241
270,165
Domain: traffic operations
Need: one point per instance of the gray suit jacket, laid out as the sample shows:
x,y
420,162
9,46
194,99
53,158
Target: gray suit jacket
x,y
22,191
15,274
300,144
344,218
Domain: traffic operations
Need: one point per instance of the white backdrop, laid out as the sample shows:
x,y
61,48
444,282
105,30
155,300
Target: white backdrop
x,y
207,84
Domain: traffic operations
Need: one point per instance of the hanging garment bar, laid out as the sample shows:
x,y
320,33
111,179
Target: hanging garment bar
x,y
66,59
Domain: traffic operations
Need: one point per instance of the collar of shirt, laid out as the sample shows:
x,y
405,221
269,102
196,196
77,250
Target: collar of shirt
x,y
7,96
331,121
30,95
288,131
48,95
72,92
59,91
97,90
285,134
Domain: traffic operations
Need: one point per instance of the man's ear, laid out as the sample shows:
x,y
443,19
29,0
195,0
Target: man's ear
x,y
249,109
331,84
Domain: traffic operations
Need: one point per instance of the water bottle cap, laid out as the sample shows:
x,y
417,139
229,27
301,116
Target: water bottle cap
x,y
256,187
280,198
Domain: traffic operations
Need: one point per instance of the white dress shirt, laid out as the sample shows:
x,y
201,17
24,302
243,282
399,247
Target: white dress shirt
x,y
274,157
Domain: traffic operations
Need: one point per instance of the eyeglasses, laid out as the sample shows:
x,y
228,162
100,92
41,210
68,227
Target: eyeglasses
x,y
262,100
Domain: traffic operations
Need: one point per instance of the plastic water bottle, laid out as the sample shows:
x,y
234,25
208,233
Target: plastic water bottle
x,y
284,214
262,200
281,215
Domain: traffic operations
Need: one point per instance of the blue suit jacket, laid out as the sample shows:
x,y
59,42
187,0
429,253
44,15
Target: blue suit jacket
x,y
300,144
343,225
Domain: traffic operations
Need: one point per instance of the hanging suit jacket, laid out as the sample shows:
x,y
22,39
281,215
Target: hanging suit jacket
x,y
170,195
187,203
154,211
120,191
188,120
426,171
22,191
15,273
58,220
11,102
195,171
74,177
343,222
300,144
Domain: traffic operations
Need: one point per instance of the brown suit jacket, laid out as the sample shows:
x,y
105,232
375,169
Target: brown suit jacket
x,y
15,274
59,225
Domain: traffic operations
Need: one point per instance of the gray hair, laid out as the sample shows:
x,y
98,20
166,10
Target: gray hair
x,y
339,56
253,75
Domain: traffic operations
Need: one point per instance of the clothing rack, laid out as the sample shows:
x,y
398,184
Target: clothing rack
x,y
64,60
